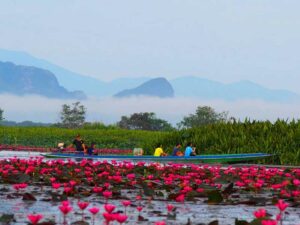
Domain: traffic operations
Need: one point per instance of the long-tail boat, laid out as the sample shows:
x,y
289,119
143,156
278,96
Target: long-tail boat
x,y
221,158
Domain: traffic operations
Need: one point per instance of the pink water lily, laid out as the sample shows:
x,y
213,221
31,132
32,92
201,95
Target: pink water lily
x,y
281,205
109,208
55,185
20,186
83,205
160,223
174,178
94,210
121,218
126,203
65,209
34,218
296,182
108,217
180,198
107,194
269,222
170,207
139,208
260,213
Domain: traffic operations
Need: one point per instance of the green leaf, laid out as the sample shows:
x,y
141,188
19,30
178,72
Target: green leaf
x,y
7,219
147,191
214,197
215,222
241,222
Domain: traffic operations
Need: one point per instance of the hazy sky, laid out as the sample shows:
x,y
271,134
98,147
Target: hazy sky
x,y
224,40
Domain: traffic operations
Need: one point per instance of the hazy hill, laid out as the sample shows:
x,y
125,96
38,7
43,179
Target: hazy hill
x,y
158,87
184,86
208,89
71,80
23,80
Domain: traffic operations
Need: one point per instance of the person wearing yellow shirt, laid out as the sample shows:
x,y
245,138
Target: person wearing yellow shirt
x,y
159,151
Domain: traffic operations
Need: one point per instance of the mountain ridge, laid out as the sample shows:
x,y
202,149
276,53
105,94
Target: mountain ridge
x,y
157,87
185,86
70,80
30,80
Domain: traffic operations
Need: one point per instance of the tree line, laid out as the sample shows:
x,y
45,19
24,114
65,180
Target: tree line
x,y
74,116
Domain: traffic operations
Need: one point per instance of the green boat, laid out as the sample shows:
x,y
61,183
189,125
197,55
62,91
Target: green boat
x,y
222,158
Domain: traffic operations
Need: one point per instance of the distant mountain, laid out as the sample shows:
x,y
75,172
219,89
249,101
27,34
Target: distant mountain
x,y
23,80
208,89
158,87
71,80
185,86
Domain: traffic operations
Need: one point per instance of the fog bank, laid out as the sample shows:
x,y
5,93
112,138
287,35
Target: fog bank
x,y
110,110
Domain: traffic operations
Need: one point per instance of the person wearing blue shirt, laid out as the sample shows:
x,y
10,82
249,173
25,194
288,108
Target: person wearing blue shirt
x,y
90,150
176,150
189,150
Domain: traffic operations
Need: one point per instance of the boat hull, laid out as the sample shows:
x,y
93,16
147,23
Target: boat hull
x,y
223,158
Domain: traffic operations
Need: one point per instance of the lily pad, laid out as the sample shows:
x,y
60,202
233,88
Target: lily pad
x,y
28,197
80,223
147,191
7,219
142,219
214,197
215,222
241,222
257,221
47,223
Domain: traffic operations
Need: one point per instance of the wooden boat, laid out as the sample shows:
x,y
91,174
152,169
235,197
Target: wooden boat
x,y
222,158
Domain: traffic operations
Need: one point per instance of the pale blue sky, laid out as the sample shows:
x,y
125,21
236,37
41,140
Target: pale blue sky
x,y
223,40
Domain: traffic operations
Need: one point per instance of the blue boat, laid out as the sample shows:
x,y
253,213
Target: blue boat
x,y
221,158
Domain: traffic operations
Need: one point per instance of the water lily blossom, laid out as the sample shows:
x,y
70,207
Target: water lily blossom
x,y
170,207
94,210
55,185
107,194
126,203
34,218
281,205
180,198
160,223
82,205
260,213
121,218
65,209
108,217
109,208
269,222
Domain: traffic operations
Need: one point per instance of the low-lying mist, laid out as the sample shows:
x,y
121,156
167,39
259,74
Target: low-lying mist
x,y
110,110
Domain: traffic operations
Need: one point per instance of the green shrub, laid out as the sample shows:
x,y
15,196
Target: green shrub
x,y
280,138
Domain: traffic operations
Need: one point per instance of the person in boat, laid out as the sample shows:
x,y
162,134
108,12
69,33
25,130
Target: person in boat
x,y
79,144
61,147
190,150
138,152
176,150
90,150
159,151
